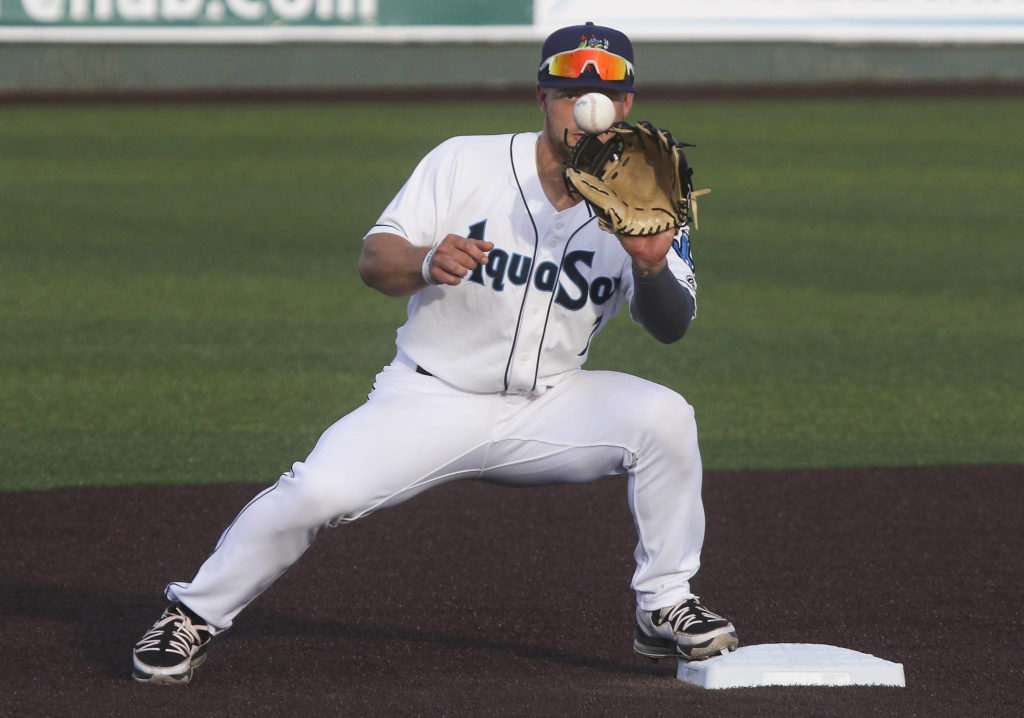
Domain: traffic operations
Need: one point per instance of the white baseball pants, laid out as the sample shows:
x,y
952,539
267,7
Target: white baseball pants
x,y
415,432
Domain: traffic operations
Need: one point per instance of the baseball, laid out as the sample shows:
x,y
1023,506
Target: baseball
x,y
594,113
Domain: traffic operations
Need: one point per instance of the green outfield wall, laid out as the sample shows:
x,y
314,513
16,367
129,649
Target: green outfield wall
x,y
354,46
357,66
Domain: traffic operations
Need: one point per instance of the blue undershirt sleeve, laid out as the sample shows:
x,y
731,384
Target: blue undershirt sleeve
x,y
662,306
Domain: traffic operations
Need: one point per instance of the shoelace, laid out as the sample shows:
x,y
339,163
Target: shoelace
x,y
685,614
182,638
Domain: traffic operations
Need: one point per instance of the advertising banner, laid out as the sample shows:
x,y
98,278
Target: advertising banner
x,y
285,19
149,13
948,21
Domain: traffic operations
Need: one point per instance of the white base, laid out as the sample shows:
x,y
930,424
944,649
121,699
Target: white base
x,y
791,664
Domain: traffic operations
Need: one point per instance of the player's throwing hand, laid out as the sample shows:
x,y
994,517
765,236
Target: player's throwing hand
x,y
454,258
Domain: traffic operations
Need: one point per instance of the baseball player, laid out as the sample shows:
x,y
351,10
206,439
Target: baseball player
x,y
509,279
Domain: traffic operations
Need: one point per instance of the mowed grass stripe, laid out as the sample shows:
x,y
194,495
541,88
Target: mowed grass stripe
x,y
179,300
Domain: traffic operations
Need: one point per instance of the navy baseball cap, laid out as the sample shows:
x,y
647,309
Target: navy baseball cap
x,y
587,56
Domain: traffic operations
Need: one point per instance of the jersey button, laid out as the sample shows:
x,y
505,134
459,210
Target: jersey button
x,y
525,357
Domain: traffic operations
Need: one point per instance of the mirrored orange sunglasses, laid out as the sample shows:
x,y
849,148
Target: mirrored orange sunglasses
x,y
571,64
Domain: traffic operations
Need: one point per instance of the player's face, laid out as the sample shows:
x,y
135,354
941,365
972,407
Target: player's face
x,y
560,128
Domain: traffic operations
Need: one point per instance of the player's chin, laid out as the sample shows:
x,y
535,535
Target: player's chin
x,y
571,138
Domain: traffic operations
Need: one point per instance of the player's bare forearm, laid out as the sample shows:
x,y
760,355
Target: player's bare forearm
x,y
392,265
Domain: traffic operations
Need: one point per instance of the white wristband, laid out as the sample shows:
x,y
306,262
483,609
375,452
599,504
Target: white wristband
x,y
425,269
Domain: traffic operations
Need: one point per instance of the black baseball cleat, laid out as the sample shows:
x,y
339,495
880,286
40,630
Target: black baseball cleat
x,y
686,630
172,649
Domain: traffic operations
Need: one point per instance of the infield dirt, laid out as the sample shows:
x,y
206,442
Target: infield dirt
x,y
474,600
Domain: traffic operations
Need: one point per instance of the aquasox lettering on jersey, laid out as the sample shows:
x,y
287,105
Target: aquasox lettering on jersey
x,y
552,281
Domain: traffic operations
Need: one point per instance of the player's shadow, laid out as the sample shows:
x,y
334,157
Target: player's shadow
x,y
103,626
267,623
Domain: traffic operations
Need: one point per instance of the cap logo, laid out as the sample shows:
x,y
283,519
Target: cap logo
x,y
592,42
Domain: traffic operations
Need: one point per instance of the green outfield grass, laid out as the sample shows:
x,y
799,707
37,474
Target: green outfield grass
x,y
179,300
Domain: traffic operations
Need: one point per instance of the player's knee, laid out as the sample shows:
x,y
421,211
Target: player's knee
x,y
666,405
670,418
321,497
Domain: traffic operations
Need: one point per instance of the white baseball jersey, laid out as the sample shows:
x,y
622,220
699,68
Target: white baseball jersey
x,y
552,282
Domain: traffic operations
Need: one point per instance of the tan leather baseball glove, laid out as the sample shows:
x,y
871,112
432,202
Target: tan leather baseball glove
x,y
638,182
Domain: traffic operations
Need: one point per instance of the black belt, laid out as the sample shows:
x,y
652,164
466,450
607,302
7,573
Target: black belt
x,y
421,370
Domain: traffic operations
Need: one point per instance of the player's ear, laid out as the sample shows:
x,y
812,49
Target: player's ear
x,y
627,103
542,99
